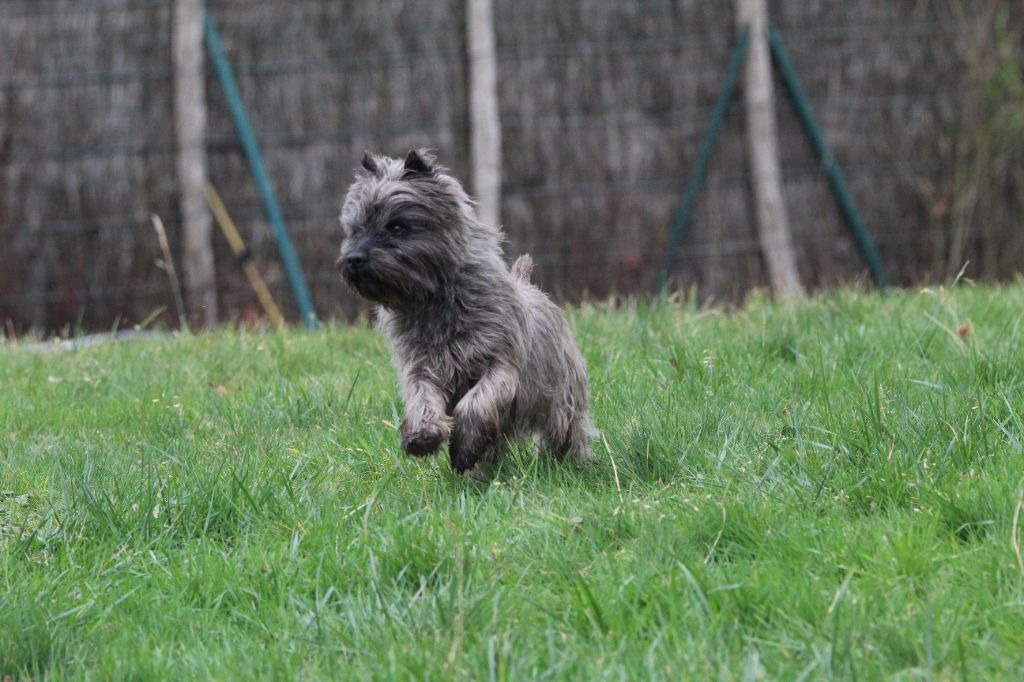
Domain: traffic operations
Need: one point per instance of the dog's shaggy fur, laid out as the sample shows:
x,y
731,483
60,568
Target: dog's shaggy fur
x,y
483,356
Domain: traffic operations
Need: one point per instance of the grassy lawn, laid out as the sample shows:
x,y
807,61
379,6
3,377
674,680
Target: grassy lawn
x,y
817,492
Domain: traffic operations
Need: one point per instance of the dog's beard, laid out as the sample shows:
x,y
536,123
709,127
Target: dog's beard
x,y
366,286
393,284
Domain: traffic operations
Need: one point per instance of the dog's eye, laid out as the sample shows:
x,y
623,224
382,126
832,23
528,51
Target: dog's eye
x,y
395,227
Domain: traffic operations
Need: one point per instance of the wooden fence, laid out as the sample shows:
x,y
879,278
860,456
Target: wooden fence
x,y
601,106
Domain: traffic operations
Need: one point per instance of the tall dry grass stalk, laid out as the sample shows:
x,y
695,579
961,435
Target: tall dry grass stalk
x,y
167,265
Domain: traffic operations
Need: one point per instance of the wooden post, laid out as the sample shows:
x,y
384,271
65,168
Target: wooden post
x,y
763,145
190,129
485,124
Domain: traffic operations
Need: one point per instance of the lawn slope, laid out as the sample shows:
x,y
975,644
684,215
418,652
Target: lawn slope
x,y
820,491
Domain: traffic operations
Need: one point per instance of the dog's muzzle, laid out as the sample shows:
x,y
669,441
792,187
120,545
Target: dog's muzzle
x,y
354,267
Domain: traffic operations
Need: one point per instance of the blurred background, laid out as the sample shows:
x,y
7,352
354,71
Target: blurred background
x,y
601,104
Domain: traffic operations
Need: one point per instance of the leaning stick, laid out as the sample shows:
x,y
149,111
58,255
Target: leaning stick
x,y
227,226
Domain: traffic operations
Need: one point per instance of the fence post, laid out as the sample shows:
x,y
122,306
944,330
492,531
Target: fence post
x,y
485,123
763,147
190,131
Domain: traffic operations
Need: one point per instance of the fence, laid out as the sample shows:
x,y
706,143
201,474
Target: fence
x,y
602,104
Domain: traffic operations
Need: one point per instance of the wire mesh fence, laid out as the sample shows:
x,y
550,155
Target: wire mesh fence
x,y
602,106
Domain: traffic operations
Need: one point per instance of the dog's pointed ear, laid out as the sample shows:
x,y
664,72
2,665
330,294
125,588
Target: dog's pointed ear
x,y
369,163
418,162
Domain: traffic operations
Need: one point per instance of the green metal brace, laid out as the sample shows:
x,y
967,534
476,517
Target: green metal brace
x,y
828,162
803,108
259,173
704,155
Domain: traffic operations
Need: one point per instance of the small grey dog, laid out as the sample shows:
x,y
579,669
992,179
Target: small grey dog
x,y
483,356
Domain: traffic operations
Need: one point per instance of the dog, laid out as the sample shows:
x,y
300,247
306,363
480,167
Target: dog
x,y
483,356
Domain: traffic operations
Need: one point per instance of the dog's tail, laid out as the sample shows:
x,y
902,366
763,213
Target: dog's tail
x,y
522,268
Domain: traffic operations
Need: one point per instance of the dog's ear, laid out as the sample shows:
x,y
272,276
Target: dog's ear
x,y
418,162
369,163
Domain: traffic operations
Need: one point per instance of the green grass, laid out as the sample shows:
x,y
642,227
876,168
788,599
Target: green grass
x,y
817,492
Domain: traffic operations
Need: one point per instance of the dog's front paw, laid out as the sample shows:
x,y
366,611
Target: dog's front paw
x,y
471,444
464,457
422,441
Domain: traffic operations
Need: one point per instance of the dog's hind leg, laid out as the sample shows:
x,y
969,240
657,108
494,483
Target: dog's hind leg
x,y
567,432
567,427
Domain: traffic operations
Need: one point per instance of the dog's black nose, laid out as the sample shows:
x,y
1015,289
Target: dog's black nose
x,y
354,260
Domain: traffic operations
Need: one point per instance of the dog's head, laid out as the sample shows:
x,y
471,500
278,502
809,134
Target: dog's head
x,y
408,229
